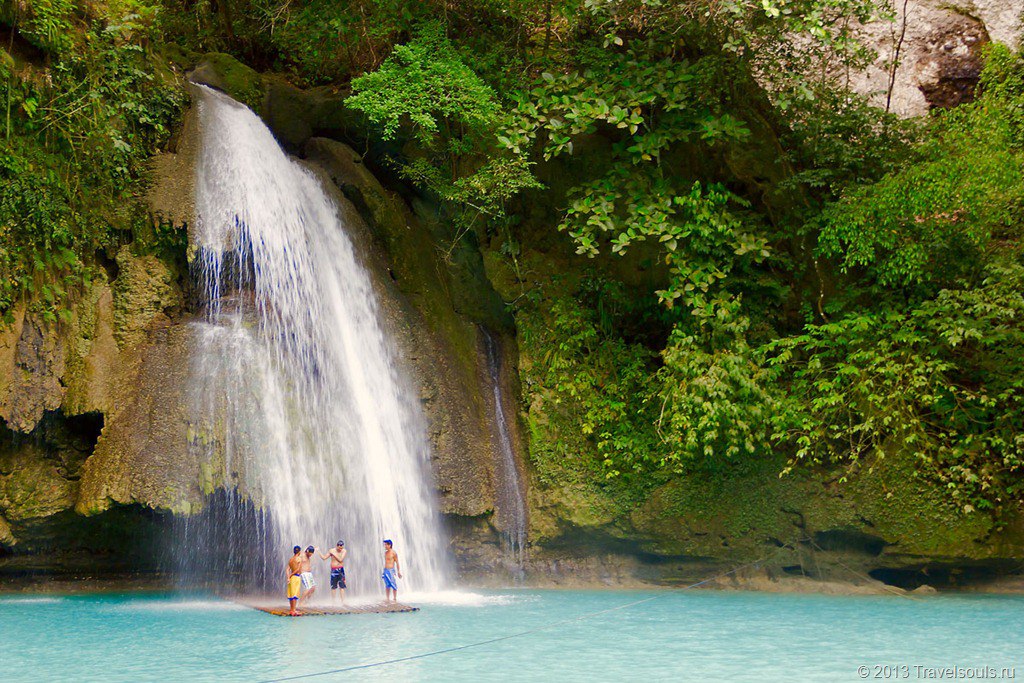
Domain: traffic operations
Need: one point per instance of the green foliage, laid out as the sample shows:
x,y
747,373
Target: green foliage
x,y
425,88
716,400
327,40
48,24
944,380
837,140
706,400
930,365
644,413
79,133
931,222
38,235
588,377
658,105
426,83
658,101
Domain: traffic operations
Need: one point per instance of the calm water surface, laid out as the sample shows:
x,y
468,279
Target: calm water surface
x,y
700,636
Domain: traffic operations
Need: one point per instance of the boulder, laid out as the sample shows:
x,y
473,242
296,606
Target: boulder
x,y
296,115
225,73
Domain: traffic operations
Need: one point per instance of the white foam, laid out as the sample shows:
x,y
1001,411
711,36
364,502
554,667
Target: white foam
x,y
453,598
30,601
461,598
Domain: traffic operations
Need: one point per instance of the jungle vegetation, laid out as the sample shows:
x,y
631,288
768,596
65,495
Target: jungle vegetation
x,y
823,280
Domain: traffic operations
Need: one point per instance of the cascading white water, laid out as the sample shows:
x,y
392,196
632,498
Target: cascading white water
x,y
299,401
511,502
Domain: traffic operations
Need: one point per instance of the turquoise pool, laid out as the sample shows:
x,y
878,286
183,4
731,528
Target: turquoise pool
x,y
693,635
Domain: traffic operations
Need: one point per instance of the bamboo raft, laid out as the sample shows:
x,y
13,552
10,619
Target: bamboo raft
x,y
331,610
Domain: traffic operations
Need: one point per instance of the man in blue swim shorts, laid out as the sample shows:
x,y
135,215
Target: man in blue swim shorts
x,y
391,568
337,555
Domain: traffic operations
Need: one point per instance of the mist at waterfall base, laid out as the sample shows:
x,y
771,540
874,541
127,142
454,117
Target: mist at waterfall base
x,y
306,428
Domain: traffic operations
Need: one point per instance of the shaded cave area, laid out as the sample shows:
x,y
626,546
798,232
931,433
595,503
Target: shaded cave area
x,y
41,535
945,576
124,541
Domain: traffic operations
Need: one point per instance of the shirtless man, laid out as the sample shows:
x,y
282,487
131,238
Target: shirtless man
x,y
293,578
391,568
308,583
337,555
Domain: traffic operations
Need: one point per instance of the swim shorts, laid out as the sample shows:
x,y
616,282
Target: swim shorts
x,y
338,578
294,584
308,581
390,580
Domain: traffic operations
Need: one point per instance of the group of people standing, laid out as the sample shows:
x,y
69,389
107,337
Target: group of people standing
x,y
301,585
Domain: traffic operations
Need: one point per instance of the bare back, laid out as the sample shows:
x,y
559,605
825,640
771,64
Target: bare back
x,y
295,565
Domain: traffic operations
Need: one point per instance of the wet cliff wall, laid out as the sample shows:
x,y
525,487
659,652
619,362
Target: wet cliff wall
x,y
94,407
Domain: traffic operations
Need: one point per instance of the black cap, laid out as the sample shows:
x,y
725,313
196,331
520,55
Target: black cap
x,y
310,549
296,548
341,542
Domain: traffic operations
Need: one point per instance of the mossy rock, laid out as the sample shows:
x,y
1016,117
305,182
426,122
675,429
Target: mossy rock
x,y
224,72
729,510
893,501
296,115
93,358
34,486
146,287
177,55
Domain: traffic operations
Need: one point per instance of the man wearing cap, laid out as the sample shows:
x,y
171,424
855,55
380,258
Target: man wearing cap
x,y
337,555
293,572
308,583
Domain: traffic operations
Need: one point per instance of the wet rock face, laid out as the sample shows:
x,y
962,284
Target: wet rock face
x,y
81,398
223,72
30,377
40,471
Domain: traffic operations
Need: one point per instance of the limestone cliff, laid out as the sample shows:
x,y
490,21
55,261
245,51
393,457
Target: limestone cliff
x,y
937,50
70,389
95,426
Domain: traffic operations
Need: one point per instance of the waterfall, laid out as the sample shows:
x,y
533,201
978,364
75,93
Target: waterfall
x,y
300,408
510,500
